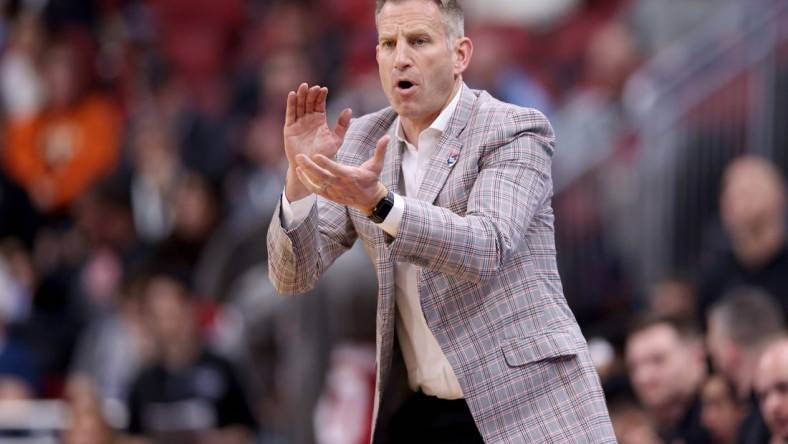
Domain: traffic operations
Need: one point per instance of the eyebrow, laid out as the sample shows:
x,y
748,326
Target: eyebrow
x,y
408,33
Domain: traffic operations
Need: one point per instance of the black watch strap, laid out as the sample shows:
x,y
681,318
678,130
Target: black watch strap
x,y
382,209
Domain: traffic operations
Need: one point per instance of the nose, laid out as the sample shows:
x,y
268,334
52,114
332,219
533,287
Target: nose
x,y
402,59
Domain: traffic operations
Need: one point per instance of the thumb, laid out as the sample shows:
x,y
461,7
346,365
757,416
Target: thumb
x,y
375,164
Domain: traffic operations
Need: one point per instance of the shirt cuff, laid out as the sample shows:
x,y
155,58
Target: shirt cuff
x,y
392,222
295,212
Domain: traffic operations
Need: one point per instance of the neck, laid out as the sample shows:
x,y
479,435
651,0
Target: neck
x,y
414,127
669,415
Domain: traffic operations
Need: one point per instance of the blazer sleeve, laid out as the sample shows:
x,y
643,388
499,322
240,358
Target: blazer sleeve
x,y
297,256
512,185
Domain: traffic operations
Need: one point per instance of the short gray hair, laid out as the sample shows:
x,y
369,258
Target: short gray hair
x,y
750,315
453,17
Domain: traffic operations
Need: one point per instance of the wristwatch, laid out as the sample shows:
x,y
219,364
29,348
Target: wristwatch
x,y
382,209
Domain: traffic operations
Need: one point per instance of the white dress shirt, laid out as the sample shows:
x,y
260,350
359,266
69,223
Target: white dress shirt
x,y
428,368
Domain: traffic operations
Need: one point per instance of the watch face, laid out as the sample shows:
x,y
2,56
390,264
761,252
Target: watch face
x,y
382,209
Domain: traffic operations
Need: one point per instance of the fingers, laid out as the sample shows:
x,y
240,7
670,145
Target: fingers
x,y
311,98
343,123
316,173
290,114
305,100
301,94
375,163
307,182
333,168
320,104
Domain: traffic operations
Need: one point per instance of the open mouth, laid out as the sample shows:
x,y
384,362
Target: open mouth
x,y
405,85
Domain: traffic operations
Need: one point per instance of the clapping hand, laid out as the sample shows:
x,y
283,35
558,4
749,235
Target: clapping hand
x,y
311,146
356,187
306,132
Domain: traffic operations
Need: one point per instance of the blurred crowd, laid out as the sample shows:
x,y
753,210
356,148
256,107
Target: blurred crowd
x,y
141,160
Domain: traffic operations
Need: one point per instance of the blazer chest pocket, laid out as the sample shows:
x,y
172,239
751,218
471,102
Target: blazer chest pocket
x,y
522,351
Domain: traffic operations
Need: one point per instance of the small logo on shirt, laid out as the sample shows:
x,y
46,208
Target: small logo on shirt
x,y
452,158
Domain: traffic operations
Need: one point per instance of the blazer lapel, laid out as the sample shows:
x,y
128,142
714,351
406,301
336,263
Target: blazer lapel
x,y
448,150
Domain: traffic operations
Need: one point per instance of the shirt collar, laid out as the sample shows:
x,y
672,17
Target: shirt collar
x,y
441,122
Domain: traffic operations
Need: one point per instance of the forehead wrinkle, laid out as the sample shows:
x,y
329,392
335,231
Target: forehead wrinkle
x,y
409,21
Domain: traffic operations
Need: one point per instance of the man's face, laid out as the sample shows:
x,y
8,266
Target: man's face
x,y
658,365
418,69
169,314
771,382
752,197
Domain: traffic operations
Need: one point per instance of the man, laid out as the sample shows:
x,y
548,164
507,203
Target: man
x,y
752,210
667,366
771,382
189,394
740,326
453,207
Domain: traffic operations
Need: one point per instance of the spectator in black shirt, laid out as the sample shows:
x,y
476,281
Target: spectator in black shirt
x,y
755,253
188,395
740,327
667,366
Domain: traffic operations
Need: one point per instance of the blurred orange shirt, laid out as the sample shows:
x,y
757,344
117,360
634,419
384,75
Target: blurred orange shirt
x,y
58,154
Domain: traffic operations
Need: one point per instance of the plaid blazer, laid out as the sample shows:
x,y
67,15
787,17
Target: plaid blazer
x,y
481,229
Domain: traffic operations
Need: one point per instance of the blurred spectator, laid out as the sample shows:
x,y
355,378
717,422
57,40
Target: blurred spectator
x,y
277,77
667,366
252,189
115,346
771,382
740,326
18,363
722,411
21,86
103,221
189,394
196,213
156,171
590,125
19,366
17,282
58,153
496,70
752,209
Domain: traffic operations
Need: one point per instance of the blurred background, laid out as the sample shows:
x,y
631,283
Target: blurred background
x,y
141,159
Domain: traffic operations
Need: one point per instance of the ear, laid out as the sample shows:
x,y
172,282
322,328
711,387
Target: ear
x,y
463,51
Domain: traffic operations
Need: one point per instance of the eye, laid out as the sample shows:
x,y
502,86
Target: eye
x,y
420,41
387,44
